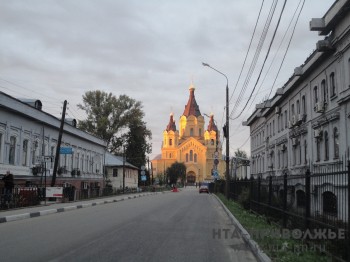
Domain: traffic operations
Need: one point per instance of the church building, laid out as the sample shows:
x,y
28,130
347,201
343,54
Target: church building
x,y
192,144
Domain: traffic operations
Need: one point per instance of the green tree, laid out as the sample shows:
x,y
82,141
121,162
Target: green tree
x,y
138,145
175,171
241,154
109,117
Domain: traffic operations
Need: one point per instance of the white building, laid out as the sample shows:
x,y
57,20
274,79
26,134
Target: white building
x,y
27,133
114,171
306,124
308,119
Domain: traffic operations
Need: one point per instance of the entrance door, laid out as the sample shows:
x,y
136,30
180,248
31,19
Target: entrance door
x,y
191,179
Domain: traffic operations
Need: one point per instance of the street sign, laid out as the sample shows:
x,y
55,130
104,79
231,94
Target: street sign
x,y
66,150
143,172
215,174
143,178
216,161
143,167
54,192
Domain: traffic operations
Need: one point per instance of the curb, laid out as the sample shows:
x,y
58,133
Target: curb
x,y
69,208
260,255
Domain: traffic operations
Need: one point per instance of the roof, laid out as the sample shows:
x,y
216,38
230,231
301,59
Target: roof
x,y
211,125
112,160
171,125
192,108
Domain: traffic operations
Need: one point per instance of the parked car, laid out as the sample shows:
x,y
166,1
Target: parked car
x,y
204,189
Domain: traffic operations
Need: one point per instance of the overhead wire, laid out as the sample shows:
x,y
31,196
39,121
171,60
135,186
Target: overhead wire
x,y
256,55
266,56
273,60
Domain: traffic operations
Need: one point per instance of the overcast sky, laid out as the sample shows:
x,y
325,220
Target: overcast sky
x,y
151,51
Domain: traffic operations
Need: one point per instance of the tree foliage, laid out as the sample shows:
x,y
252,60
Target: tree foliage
x,y
175,171
137,143
241,154
110,117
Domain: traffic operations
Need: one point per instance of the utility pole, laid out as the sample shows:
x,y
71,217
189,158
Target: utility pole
x,y
59,144
123,169
149,173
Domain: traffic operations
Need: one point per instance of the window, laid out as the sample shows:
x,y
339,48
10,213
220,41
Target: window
x,y
285,119
170,142
332,83
187,157
191,155
336,142
324,90
273,127
195,157
318,151
298,107
315,95
282,121
329,203
200,132
305,152
115,172
212,141
293,111
35,151
12,152
24,152
326,146
303,104
191,132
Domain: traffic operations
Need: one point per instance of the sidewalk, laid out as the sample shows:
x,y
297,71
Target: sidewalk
x,y
52,208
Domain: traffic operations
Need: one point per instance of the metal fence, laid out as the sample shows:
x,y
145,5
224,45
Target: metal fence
x,y
317,200
32,196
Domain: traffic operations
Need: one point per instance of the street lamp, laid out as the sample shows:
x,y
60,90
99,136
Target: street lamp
x,y
226,129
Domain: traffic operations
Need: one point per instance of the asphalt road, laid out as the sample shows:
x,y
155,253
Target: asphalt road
x,y
184,226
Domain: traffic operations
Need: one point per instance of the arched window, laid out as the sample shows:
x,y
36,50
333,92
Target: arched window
x,y
187,157
305,151
12,152
25,152
326,146
303,104
285,119
191,132
329,203
293,111
324,90
336,142
170,142
200,132
318,150
195,157
212,141
191,155
298,107
315,95
332,83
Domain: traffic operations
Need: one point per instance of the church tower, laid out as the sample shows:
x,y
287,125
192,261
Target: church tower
x,y
192,144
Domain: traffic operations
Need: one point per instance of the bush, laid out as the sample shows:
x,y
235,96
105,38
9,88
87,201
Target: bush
x,y
244,198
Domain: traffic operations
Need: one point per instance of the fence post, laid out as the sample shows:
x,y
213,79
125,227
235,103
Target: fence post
x,y
348,243
285,188
307,198
270,191
259,185
251,192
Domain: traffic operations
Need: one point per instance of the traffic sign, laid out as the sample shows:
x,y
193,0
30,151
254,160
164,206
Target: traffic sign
x,y
143,178
143,172
143,167
216,161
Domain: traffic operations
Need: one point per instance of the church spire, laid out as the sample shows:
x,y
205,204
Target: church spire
x,y
171,125
192,107
211,125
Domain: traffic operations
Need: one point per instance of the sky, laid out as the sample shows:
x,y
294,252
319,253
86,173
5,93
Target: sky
x,y
56,50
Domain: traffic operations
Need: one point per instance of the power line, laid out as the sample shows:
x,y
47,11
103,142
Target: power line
x,y
256,55
266,56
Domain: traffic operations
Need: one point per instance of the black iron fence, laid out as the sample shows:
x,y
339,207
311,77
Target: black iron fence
x,y
32,196
315,201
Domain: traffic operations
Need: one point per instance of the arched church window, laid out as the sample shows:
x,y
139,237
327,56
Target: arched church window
x,y
200,132
195,157
170,142
191,155
212,141
191,132
187,157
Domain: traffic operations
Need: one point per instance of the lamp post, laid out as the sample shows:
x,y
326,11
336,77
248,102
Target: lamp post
x,y
226,133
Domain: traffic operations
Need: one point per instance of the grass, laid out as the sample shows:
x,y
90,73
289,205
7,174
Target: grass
x,y
277,248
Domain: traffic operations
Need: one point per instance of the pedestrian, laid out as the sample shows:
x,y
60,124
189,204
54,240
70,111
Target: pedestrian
x,y
9,184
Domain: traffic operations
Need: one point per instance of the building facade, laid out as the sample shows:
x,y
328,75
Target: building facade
x,y
115,168
192,144
28,141
306,124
